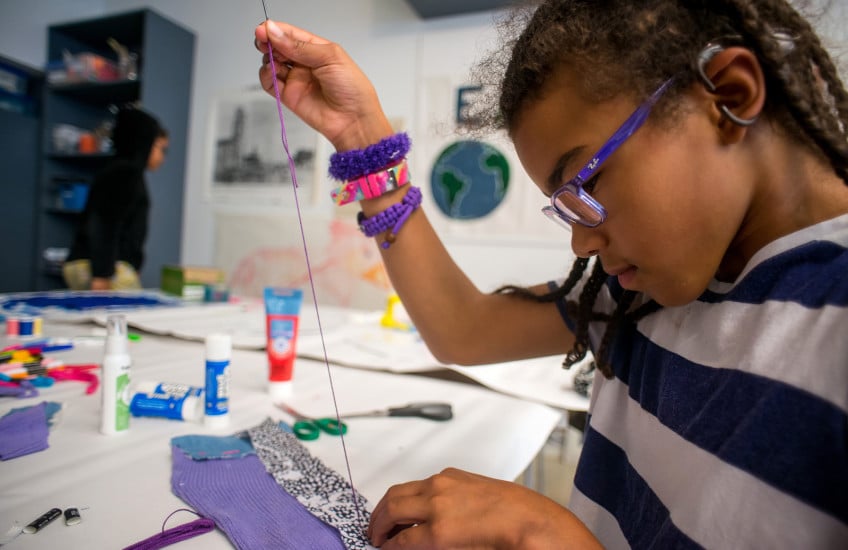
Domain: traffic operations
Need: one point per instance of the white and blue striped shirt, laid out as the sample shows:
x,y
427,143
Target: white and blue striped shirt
x,y
726,423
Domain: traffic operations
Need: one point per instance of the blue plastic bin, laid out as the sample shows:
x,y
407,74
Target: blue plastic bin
x,y
72,196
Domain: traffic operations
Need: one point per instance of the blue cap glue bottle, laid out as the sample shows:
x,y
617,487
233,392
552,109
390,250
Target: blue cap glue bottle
x,y
115,396
217,390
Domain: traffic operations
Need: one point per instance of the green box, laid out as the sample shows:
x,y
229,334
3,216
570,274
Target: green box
x,y
189,282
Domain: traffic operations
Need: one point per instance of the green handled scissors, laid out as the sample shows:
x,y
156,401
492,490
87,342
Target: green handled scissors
x,y
308,429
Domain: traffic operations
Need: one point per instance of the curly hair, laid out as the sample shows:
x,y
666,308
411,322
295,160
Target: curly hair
x,y
629,47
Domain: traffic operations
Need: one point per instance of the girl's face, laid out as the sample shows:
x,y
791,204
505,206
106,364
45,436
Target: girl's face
x,y
673,195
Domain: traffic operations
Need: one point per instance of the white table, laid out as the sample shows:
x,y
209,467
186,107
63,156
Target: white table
x,y
354,338
124,480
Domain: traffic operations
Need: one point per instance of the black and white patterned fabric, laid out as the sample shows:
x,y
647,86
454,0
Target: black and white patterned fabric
x,y
320,489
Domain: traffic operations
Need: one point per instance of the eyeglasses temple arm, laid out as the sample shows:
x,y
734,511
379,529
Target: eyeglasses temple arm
x,y
620,136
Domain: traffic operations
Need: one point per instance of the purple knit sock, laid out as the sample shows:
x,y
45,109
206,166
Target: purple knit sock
x,y
23,431
248,505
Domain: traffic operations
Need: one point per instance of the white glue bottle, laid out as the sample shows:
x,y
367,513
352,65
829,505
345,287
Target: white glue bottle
x,y
217,391
115,398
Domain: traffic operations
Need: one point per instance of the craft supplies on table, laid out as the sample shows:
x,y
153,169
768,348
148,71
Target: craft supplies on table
x,y
217,390
189,282
23,326
167,400
115,409
82,467
429,410
282,319
309,429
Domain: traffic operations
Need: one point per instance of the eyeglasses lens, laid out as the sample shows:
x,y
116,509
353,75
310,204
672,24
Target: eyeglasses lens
x,y
578,209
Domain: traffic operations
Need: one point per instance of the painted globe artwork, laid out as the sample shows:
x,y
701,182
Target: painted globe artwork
x,y
469,179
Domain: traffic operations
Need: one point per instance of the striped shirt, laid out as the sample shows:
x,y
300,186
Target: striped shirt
x,y
726,423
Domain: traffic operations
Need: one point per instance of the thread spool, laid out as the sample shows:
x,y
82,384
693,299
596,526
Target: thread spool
x,y
12,326
25,327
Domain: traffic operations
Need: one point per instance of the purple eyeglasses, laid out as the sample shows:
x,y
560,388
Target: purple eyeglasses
x,y
570,203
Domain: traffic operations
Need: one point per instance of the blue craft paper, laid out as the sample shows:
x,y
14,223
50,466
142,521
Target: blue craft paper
x,y
210,447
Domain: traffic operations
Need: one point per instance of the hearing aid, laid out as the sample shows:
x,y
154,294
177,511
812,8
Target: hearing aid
x,y
710,51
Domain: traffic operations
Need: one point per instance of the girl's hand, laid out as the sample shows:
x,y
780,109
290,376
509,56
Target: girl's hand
x,y
322,85
456,509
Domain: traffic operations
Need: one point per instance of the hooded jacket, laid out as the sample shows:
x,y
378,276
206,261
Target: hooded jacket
x,y
113,226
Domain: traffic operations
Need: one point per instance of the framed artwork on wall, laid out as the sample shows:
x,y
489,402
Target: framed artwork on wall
x,y
245,154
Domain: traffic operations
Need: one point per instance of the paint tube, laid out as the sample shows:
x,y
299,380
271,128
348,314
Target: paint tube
x,y
282,315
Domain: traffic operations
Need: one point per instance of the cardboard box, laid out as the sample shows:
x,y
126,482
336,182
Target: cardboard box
x,y
189,282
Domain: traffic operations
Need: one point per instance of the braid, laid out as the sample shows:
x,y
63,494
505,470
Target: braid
x,y
821,112
582,312
618,316
577,270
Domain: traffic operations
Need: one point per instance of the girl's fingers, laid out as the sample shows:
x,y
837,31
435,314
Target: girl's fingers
x,y
295,45
278,29
410,488
397,514
413,537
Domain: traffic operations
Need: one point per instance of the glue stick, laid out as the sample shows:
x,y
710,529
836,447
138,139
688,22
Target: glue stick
x,y
115,399
167,400
217,392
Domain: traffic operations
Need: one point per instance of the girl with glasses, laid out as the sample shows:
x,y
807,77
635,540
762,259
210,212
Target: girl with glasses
x,y
698,154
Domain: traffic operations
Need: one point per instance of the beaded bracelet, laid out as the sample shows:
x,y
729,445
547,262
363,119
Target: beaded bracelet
x,y
348,165
392,217
372,185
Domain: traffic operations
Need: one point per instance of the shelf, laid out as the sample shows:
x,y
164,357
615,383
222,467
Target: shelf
x,y
127,27
80,157
64,211
118,92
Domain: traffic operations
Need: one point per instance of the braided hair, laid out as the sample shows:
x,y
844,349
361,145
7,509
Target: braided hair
x,y
621,47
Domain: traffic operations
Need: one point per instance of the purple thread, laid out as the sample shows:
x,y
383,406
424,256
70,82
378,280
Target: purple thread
x,y
392,217
175,534
311,280
348,165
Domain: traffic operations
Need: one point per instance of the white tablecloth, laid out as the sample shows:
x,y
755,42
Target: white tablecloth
x,y
122,483
355,338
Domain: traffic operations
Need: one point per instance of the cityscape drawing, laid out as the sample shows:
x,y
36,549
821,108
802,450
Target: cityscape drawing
x,y
248,149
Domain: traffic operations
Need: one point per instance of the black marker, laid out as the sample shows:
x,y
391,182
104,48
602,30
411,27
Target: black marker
x,y
42,521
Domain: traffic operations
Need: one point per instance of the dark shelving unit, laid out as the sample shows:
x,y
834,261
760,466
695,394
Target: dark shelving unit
x,y
161,85
20,119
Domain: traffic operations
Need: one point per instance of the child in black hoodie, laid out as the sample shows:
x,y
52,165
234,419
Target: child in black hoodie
x,y
108,249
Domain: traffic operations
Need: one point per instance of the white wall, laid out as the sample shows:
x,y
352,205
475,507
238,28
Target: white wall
x,y
380,34
385,38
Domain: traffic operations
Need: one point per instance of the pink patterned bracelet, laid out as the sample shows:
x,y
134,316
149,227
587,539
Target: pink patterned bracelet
x,y
372,185
392,218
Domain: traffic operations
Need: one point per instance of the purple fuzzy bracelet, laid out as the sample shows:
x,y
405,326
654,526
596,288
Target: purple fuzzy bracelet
x,y
392,217
349,165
